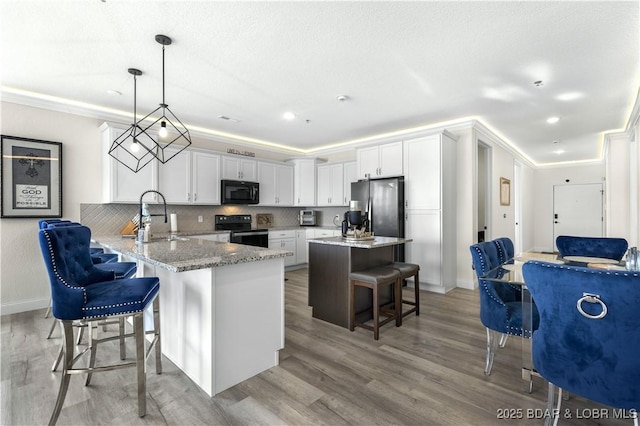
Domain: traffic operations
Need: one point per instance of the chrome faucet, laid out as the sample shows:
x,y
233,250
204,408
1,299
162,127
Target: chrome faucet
x,y
164,202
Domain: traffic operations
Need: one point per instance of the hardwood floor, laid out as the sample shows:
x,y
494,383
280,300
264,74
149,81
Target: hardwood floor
x,y
427,372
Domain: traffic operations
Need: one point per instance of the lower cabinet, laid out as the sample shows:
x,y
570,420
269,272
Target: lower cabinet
x,y
301,246
284,240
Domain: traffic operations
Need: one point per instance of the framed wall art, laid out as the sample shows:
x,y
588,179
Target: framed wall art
x,y
31,178
505,192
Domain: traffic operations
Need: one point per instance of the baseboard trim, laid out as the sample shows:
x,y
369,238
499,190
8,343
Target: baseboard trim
x,y
23,306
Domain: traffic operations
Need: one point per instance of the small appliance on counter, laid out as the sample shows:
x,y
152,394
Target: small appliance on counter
x,y
355,225
307,218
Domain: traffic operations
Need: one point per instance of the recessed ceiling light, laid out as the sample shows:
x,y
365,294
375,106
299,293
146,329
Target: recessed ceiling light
x,y
342,98
288,115
114,92
552,120
556,141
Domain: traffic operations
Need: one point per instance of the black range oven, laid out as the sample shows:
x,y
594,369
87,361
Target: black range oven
x,y
240,231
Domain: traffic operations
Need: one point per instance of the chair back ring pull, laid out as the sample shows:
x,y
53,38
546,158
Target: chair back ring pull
x,y
591,298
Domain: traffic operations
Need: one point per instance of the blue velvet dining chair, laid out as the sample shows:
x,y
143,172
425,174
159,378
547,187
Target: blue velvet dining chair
x,y
506,249
501,303
602,247
83,293
588,341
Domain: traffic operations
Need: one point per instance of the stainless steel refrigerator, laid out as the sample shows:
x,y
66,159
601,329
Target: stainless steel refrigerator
x,y
383,202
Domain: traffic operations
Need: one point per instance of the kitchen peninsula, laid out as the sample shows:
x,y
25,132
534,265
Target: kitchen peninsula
x,y
331,260
221,304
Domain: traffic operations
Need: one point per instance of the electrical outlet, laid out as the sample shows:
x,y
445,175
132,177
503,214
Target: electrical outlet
x,y
200,219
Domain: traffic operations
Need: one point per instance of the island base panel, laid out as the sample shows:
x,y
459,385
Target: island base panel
x,y
223,325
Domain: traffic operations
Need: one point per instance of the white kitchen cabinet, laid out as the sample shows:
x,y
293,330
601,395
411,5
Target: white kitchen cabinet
x,y
276,184
191,177
331,185
174,177
350,175
301,246
304,182
206,177
380,160
284,240
119,183
430,209
238,168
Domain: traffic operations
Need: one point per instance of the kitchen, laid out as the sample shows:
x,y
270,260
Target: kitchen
x,y
24,283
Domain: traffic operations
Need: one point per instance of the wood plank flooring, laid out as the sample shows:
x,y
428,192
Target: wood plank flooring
x,y
427,372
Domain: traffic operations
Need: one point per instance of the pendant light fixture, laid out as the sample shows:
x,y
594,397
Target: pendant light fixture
x,y
134,148
169,129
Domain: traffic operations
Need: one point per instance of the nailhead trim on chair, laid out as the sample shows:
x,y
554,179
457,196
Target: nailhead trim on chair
x,y
55,269
117,305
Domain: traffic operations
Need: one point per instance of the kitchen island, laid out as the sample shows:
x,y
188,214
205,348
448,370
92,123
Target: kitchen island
x,y
331,260
221,304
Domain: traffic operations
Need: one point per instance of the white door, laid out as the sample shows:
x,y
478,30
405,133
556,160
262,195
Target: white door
x,y
578,210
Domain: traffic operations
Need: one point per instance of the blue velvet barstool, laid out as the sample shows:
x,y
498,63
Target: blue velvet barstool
x,y
82,293
104,261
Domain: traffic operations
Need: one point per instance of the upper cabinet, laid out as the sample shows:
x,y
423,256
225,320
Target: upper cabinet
x,y
304,181
380,160
276,184
238,168
350,175
191,177
119,183
205,177
331,185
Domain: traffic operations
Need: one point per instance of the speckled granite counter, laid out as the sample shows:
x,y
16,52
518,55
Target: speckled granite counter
x,y
188,253
377,242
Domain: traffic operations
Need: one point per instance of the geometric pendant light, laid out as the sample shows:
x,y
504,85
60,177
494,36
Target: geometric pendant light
x,y
134,148
169,129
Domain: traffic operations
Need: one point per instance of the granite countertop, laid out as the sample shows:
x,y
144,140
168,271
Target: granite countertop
x,y
187,254
365,244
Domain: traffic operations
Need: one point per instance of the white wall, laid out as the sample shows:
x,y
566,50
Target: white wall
x,y
545,179
24,284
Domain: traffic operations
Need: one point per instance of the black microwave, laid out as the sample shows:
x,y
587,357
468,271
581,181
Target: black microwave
x,y
240,192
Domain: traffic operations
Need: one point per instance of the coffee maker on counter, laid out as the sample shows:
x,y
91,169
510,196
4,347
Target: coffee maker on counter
x,y
355,224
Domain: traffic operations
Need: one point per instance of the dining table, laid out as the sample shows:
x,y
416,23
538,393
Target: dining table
x,y
510,271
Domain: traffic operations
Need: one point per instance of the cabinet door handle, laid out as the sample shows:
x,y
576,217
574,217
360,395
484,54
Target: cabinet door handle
x,y
188,196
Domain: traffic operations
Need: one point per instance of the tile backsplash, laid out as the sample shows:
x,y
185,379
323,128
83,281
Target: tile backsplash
x,y
109,219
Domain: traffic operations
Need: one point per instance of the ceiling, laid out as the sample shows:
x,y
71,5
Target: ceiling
x,y
400,65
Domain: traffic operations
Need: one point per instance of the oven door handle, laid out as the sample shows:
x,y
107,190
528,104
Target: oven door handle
x,y
248,234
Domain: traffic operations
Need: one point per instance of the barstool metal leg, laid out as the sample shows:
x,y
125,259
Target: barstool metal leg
x,y
156,328
138,330
67,336
123,350
53,327
92,358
